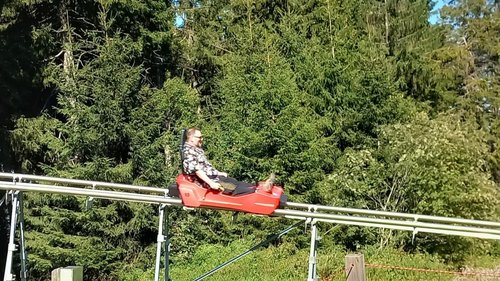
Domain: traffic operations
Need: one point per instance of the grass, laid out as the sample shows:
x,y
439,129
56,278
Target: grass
x,y
287,263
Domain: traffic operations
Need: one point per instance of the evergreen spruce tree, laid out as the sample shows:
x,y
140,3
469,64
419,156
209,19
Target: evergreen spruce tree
x,y
327,94
103,78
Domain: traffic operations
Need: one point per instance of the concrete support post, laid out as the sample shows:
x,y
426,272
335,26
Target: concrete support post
x,y
69,273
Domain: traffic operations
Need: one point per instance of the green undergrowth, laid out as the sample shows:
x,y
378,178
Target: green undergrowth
x,y
286,262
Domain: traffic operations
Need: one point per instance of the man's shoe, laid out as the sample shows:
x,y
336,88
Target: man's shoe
x,y
268,184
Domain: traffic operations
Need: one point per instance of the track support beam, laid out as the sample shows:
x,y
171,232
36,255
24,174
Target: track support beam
x,y
162,240
312,272
16,218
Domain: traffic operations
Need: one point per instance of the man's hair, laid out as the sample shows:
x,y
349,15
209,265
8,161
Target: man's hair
x,y
191,131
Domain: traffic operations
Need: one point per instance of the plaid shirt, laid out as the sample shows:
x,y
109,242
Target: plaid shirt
x,y
195,160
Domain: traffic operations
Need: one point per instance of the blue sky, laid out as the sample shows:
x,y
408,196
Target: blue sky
x,y
439,4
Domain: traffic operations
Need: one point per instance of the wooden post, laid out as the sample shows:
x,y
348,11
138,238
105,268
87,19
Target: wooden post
x,y
355,267
69,273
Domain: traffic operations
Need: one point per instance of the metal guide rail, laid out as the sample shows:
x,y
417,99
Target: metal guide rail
x,y
15,184
329,214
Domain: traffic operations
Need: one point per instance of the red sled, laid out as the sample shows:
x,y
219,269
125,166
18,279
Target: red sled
x,y
258,201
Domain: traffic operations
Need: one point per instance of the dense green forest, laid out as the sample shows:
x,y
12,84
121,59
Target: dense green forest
x,y
358,103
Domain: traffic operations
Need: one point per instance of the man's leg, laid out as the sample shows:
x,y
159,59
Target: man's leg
x,y
237,187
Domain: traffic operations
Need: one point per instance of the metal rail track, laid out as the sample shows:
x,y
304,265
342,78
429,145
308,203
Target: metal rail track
x,y
15,184
339,215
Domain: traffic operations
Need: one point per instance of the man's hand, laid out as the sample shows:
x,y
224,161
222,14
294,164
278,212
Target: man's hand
x,y
215,185
222,174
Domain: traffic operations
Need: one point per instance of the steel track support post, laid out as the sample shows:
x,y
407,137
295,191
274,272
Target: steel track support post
x,y
166,244
8,276
312,273
4,199
24,260
162,239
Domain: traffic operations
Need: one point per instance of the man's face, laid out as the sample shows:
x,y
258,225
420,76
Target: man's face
x,y
197,139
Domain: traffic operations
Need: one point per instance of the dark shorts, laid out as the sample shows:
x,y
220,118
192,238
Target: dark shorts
x,y
234,187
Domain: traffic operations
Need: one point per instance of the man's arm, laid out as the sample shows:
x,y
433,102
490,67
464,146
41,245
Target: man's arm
x,y
213,184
